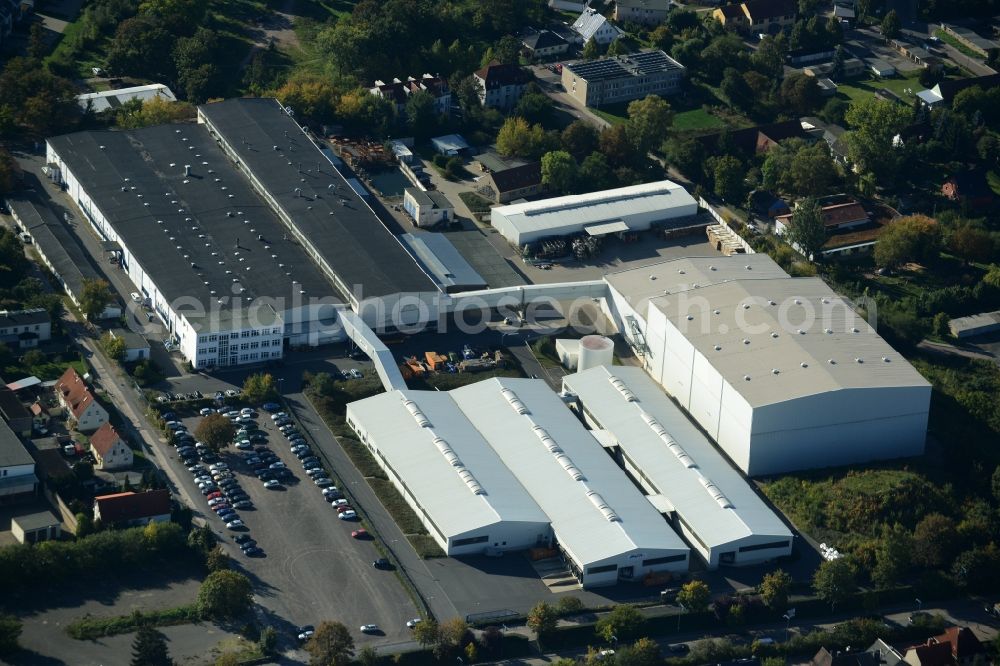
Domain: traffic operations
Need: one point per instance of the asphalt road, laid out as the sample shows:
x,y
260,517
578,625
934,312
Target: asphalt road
x,y
313,569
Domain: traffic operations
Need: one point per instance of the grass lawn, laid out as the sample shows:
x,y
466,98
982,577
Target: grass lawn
x,y
857,91
952,41
475,203
616,114
696,119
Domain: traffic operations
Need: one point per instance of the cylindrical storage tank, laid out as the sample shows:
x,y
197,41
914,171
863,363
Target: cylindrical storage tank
x,y
595,350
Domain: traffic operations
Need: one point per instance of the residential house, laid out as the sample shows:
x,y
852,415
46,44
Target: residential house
x,y
110,451
543,44
831,133
757,16
969,188
878,654
845,14
753,140
79,402
593,25
39,415
944,92
623,78
136,347
14,412
507,180
568,5
129,508
501,86
929,654
647,12
24,329
17,467
427,208
965,647
398,92
841,214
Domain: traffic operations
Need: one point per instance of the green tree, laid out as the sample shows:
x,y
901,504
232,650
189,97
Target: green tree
x,y
806,229
368,656
542,618
259,388
591,49
874,125
84,524
644,652
215,431
834,580
534,106
8,170
893,556
95,296
10,630
935,541
218,560
687,154
800,93
694,596
312,96
616,147
568,605
891,25
579,139
624,621
331,645
727,176
202,539
114,347
971,243
138,49
736,89
150,648
38,46
33,357
421,116
769,58
909,238
225,594
619,47
648,123
426,633
268,640
451,634
560,171
194,61
661,37
508,50
596,175
180,16
774,589
517,138
33,98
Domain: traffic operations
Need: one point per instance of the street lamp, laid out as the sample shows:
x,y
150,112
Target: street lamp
x,y
683,609
614,641
920,605
788,621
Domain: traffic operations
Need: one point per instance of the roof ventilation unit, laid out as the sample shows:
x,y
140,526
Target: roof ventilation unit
x,y
417,415
716,494
514,402
598,501
571,469
624,390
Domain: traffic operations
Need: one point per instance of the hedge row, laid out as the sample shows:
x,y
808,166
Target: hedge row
x,y
89,627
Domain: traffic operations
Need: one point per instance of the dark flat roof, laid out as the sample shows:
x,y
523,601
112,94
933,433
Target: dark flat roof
x,y
12,451
642,63
192,234
69,260
344,230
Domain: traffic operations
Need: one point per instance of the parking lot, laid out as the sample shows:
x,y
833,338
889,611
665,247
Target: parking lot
x,y
311,569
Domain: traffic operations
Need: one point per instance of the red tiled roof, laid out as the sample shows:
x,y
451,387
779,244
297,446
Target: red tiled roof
x,y
36,409
124,507
495,75
74,392
104,439
963,642
760,10
837,215
933,654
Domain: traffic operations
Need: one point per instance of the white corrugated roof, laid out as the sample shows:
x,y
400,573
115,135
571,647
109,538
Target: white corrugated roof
x,y
596,207
107,99
589,23
448,466
691,475
595,511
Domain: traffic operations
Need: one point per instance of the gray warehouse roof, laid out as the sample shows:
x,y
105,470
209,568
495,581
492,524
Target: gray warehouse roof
x,y
443,261
12,451
596,512
642,63
691,475
193,234
348,235
454,474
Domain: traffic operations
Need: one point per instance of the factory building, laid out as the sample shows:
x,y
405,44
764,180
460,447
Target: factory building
x,y
503,464
679,470
633,208
781,372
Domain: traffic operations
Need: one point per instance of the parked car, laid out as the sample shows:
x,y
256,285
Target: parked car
x,y
369,628
253,552
347,515
272,484
361,533
381,563
323,482
305,633
270,406
410,624
235,525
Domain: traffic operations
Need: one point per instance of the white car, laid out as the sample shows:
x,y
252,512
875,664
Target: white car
x,y
339,502
355,373
232,393
412,623
279,415
205,411
272,484
216,501
369,628
136,297
234,524
347,515
218,466
246,411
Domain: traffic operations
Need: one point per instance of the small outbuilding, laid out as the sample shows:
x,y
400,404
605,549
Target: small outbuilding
x,y
36,527
427,208
136,346
450,145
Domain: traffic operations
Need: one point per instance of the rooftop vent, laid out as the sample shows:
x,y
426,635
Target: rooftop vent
x,y
621,388
513,401
859,360
775,371
718,347
804,364
598,501
716,494
417,415
774,335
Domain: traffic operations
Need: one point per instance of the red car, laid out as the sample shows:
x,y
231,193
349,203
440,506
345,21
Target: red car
x,y
214,495
343,508
360,534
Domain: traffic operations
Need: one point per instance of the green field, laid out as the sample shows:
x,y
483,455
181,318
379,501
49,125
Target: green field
x,y
952,41
857,91
697,119
616,114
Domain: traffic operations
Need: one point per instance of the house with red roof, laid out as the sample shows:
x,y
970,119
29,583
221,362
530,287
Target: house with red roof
x,y
124,509
957,645
79,402
110,450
